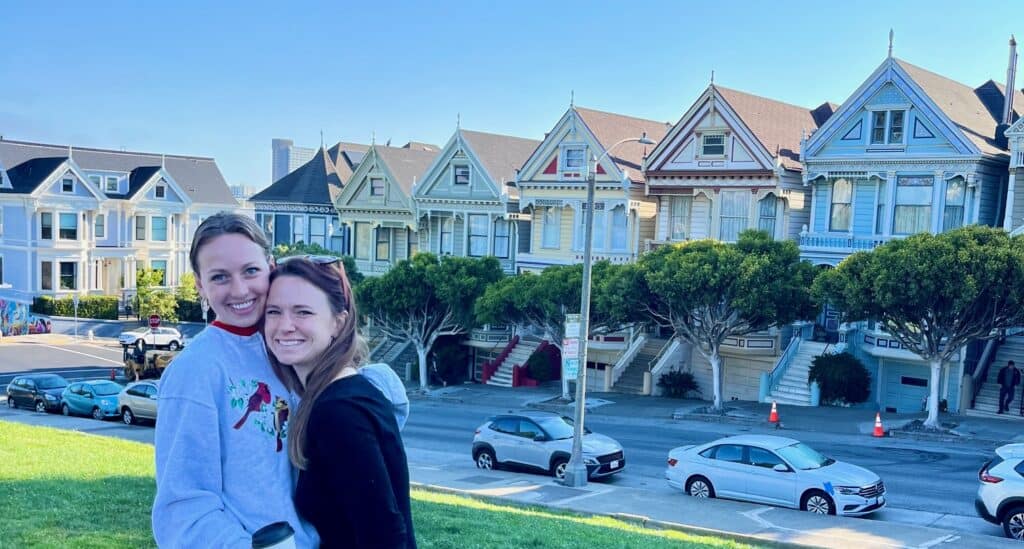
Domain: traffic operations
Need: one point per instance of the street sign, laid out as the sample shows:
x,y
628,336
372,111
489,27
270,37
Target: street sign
x,y
572,325
571,348
154,321
571,368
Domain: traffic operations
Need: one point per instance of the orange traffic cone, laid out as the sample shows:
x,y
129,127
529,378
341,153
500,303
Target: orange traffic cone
x,y
774,416
879,432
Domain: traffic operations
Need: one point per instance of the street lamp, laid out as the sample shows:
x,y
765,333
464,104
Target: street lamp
x,y
576,470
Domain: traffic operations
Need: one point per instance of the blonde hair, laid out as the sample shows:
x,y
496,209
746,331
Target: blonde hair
x,y
225,223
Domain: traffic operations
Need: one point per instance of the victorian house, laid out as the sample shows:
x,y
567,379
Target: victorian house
x,y
910,151
84,221
466,204
732,163
376,205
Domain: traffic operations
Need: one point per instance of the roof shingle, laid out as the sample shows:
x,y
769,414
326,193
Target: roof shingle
x,y
610,128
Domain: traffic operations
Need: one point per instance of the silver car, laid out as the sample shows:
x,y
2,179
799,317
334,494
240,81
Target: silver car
x,y
542,441
777,471
138,401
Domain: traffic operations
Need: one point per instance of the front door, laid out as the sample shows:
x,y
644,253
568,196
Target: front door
x,y
729,469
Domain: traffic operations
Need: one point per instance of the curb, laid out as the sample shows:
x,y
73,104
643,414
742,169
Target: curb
x,y
636,520
710,418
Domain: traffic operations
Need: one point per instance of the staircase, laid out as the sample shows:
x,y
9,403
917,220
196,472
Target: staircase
x,y
396,353
516,357
632,380
794,389
986,404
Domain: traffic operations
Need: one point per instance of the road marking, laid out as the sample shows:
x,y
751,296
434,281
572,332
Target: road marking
x,y
944,539
584,496
118,362
755,515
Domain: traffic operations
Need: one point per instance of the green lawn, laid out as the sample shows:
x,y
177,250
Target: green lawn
x,y
67,489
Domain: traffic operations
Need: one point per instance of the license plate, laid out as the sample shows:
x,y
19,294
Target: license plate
x,y
614,464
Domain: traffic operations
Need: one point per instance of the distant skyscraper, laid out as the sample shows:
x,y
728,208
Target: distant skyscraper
x,y
242,192
287,157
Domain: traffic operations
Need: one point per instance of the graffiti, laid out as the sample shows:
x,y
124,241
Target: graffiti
x,y
15,319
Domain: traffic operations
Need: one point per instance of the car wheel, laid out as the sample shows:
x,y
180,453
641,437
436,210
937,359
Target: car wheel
x,y
1013,523
174,346
818,502
10,402
700,488
558,468
485,459
40,407
65,410
127,416
97,413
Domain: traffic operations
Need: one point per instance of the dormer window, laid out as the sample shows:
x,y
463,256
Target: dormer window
x,y
376,186
712,144
67,185
461,174
111,185
887,127
160,191
572,160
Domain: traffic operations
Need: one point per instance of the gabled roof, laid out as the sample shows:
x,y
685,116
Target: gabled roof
x,y
405,165
199,177
976,111
610,128
346,157
777,125
315,182
138,178
501,155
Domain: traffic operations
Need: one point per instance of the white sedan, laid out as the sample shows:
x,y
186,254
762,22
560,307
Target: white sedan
x,y
777,471
153,338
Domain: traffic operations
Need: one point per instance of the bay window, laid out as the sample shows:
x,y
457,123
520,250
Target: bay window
x,y
477,235
501,236
383,244
679,217
68,226
768,211
444,246
734,214
46,225
913,212
552,231
158,232
880,211
842,200
363,240
956,198
318,231
619,228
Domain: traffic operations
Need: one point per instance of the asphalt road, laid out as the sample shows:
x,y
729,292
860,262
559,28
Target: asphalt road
x,y
84,360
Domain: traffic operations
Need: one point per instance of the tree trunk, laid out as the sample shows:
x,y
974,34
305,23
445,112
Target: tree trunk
x,y
421,352
716,376
933,399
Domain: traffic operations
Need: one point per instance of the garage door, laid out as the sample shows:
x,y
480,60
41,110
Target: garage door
x,y
905,387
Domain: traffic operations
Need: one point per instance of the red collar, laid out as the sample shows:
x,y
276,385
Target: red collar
x,y
237,330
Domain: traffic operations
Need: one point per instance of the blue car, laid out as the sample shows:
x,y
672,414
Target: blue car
x,y
91,398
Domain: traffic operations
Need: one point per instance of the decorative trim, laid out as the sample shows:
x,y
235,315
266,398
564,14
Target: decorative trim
x,y
858,127
921,131
271,207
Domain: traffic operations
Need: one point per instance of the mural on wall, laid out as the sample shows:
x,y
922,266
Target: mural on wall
x,y
15,319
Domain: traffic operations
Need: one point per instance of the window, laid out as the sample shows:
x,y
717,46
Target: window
x,y
412,243
953,213
112,185
619,228
734,215
68,280
140,227
96,180
363,239
160,191
712,145
552,231
159,229
68,226
461,174
887,127
376,186
600,228
46,275
67,185
729,452
767,213
575,159
318,231
842,198
100,226
762,458
282,229
477,235
160,265
880,210
913,205
298,230
679,217
445,244
46,225
509,426
383,244
528,429
501,238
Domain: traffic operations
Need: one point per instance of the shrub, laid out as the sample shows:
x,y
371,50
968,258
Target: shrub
x,y
192,311
841,377
677,384
544,365
89,306
448,361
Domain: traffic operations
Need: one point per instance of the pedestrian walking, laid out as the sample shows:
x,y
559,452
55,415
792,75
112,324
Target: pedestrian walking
x,y
1009,379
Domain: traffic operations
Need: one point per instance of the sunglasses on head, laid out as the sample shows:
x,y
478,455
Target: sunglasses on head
x,y
318,259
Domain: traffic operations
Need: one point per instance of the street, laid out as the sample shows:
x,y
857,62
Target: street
x,y
928,483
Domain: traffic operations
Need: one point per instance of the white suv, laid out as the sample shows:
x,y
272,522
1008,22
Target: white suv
x,y
542,440
1000,497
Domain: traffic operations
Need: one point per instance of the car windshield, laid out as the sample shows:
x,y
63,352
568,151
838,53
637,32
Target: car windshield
x,y
106,388
559,428
51,383
803,457
138,330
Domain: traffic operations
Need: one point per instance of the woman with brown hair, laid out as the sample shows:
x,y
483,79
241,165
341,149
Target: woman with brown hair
x,y
354,479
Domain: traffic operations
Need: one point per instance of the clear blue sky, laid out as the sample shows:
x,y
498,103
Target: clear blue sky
x,y
222,78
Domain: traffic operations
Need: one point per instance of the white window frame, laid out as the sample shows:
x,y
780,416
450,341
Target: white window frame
x,y
52,234
377,242
502,235
946,204
927,203
145,228
446,245
117,184
364,230
99,224
682,218
152,267
456,168
160,191
472,237
299,229
832,204
563,159
64,180
887,140
551,228
42,279
742,215
373,188
60,216
704,145
152,233
761,218
60,275
319,239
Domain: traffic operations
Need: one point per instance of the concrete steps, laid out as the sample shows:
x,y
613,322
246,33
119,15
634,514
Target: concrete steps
x,y
986,404
516,357
632,380
794,389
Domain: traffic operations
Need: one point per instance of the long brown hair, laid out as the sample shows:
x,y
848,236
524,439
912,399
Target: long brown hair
x,y
347,349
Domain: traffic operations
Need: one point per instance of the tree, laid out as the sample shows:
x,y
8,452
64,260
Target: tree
x,y
301,248
933,293
149,300
186,290
708,291
424,298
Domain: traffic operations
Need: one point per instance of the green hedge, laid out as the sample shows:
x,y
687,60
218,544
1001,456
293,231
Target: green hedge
x,y
841,377
545,364
89,306
191,311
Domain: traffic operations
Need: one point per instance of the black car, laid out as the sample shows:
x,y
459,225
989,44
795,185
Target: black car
x,y
38,391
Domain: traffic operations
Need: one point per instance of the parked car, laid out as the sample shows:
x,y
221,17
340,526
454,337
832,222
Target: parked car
x,y
138,401
38,391
152,337
1000,498
97,398
777,471
542,441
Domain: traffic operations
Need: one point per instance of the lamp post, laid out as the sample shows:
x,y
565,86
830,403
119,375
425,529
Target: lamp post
x,y
576,470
